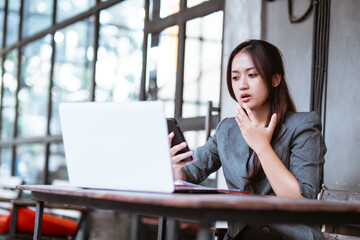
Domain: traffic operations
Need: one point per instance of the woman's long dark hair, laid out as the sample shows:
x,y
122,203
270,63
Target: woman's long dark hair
x,y
268,62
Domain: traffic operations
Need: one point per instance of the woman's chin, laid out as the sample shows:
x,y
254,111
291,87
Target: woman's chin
x,y
248,104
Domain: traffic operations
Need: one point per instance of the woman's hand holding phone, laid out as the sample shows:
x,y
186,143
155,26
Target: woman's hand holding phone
x,y
177,159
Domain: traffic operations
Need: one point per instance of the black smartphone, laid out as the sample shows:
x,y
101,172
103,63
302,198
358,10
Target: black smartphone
x,y
173,126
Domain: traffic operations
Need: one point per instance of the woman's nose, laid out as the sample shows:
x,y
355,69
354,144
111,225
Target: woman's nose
x,y
243,84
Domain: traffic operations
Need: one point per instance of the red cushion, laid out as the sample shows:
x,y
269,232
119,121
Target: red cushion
x,y
50,226
4,223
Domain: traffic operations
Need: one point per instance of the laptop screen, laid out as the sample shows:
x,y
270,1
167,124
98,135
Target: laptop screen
x,y
122,146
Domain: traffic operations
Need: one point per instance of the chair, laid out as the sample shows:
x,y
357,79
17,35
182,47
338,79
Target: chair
x,y
345,231
19,221
330,232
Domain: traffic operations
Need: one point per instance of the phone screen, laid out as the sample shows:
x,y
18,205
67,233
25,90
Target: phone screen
x,y
173,126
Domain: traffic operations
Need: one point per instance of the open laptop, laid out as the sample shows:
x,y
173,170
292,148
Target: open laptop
x,y
120,146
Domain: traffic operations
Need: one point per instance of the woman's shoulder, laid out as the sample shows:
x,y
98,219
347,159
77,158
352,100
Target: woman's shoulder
x,y
301,119
301,116
226,123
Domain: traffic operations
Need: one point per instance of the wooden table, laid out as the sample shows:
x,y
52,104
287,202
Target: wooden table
x,y
204,208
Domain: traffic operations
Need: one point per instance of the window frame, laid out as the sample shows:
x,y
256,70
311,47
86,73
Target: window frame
x,y
155,26
151,26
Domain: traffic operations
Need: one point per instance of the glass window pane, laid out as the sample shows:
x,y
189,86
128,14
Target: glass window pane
x,y
9,98
119,63
34,89
1,79
30,161
5,164
202,69
162,66
72,70
37,16
13,22
169,7
195,138
192,3
57,163
2,3
70,8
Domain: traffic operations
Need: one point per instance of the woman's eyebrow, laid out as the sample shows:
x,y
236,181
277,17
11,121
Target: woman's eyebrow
x,y
250,68
246,70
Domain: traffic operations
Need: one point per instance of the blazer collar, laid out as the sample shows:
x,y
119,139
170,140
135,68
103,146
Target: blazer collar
x,y
281,132
234,133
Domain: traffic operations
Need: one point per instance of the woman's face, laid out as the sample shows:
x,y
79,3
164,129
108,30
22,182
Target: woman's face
x,y
247,84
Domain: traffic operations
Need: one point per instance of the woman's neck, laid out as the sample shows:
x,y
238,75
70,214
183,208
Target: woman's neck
x,y
262,114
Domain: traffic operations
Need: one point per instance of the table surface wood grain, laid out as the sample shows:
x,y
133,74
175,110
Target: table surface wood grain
x,y
205,201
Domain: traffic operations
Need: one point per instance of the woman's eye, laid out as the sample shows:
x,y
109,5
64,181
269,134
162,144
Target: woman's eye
x,y
252,75
235,78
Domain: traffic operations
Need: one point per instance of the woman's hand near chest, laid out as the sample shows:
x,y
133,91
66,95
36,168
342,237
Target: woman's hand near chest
x,y
258,137
256,134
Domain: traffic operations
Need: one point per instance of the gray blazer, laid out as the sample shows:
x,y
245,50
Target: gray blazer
x,y
298,144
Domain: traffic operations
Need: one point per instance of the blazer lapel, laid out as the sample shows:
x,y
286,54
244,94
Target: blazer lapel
x,y
281,132
237,146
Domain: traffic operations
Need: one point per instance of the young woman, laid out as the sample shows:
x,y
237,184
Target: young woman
x,y
268,148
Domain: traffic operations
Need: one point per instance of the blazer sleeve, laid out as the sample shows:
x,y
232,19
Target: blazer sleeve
x,y
307,155
207,160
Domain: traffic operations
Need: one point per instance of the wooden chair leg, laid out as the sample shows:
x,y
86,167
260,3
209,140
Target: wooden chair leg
x,y
38,220
162,228
87,226
13,221
172,229
135,226
84,224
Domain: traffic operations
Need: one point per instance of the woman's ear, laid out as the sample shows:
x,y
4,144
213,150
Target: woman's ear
x,y
276,79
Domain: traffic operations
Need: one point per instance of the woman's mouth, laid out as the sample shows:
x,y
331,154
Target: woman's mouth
x,y
245,97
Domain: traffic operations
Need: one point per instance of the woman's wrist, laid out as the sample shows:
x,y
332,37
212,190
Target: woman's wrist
x,y
179,174
263,149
